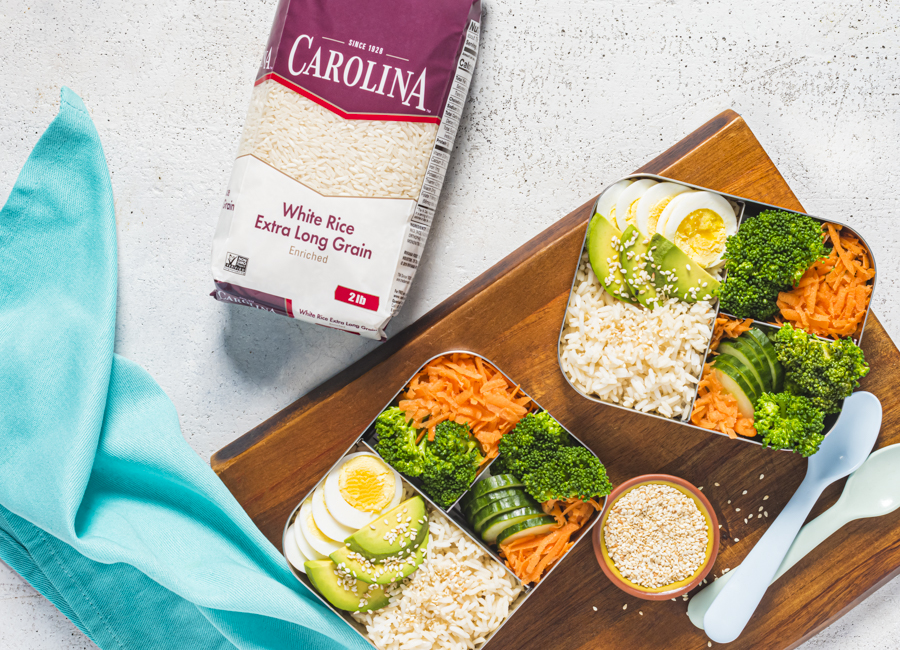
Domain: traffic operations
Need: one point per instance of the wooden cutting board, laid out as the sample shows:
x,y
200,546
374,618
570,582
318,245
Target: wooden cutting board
x,y
512,315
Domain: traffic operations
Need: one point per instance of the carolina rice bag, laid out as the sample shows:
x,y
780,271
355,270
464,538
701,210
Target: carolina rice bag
x,y
342,158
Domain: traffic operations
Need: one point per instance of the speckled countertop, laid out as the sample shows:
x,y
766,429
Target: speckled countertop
x,y
567,96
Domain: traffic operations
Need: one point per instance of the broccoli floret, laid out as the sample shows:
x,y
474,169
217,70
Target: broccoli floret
x,y
572,473
768,254
747,297
788,421
540,453
450,462
397,442
824,371
533,441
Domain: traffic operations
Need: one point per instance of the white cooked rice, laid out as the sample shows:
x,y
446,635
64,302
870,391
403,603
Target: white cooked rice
x,y
331,155
453,601
625,354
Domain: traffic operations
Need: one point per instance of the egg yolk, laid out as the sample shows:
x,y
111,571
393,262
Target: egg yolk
x,y
312,528
701,235
367,484
655,214
631,215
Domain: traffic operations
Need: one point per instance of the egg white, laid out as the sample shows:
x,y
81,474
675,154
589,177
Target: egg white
x,y
302,543
320,542
664,217
650,200
324,519
292,550
607,202
628,196
693,201
342,511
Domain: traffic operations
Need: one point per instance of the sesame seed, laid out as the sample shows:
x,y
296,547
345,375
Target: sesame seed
x,y
625,606
766,514
641,613
750,516
595,609
736,539
762,476
717,485
745,521
766,498
760,509
737,509
744,492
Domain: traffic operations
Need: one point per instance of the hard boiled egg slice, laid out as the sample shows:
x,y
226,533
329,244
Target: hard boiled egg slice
x,y
361,488
320,542
699,224
292,551
302,543
626,206
606,206
324,519
651,205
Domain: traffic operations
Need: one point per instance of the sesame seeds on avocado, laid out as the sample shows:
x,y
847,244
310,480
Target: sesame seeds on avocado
x,y
604,246
392,569
342,590
635,260
678,276
394,532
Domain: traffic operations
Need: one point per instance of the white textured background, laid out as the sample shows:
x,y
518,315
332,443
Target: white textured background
x,y
568,95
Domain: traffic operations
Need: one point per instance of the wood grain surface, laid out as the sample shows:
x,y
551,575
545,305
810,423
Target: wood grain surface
x,y
512,315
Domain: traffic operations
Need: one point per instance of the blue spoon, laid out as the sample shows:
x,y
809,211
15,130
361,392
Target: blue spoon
x,y
844,449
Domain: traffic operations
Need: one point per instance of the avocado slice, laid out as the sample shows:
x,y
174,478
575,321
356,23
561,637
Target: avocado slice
x,y
752,359
604,241
635,260
341,590
678,276
380,540
392,569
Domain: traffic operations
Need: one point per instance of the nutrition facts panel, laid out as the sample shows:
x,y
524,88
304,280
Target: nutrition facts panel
x,y
420,222
443,144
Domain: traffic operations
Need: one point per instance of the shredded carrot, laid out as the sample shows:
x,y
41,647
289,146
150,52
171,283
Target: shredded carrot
x,y
530,557
462,388
728,328
718,410
832,297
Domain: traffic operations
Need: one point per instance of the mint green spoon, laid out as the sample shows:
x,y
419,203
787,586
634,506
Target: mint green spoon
x,y
871,491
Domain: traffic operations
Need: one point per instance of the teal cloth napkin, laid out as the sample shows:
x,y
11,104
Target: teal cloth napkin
x,y
104,508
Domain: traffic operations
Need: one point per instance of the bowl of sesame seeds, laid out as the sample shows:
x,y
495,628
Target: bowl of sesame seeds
x,y
657,538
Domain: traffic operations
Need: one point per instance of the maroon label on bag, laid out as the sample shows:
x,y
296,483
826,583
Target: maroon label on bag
x,y
370,60
228,292
356,298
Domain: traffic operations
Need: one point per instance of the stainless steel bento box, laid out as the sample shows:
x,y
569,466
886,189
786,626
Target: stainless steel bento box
x,y
745,209
366,442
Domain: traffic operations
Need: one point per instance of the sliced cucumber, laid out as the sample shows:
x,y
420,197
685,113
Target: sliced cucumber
x,y
476,505
490,484
758,337
735,383
534,526
499,523
752,358
501,506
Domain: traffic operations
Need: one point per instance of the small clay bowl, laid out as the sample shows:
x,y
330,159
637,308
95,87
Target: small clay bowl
x,y
673,590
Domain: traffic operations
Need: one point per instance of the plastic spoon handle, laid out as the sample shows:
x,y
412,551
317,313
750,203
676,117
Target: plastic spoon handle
x,y
730,612
811,535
